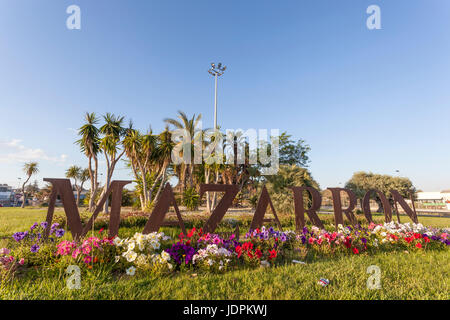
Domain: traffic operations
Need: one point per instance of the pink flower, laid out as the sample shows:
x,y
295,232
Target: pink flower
x,y
87,259
86,250
5,251
22,261
444,235
75,253
311,240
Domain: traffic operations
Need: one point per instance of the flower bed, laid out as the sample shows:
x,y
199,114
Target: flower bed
x,y
157,253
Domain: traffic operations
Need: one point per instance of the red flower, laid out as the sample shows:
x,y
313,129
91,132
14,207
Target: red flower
x,y
100,231
418,245
347,243
191,233
258,253
276,239
239,251
355,250
272,254
408,239
417,235
426,239
250,254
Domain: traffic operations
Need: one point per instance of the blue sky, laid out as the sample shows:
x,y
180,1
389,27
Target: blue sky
x,y
373,100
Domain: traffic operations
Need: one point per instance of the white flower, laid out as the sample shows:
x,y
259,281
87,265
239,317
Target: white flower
x,y
165,256
131,271
117,258
131,246
117,241
130,256
210,262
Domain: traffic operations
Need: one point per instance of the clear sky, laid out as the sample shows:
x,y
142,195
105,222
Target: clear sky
x,y
373,100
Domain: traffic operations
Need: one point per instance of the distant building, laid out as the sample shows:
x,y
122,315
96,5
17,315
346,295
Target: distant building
x,y
434,199
6,195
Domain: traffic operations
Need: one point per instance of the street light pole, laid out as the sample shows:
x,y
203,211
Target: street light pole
x,y
215,103
216,72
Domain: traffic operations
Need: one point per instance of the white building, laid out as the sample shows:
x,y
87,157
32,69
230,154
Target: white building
x,y
434,198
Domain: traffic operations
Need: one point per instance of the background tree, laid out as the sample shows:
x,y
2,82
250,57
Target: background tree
x,y
361,182
110,143
90,145
30,168
191,128
80,176
279,186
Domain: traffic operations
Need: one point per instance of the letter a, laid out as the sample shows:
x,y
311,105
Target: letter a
x,y
374,21
74,20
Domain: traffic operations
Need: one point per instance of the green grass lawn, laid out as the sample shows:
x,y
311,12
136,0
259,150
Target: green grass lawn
x,y
414,275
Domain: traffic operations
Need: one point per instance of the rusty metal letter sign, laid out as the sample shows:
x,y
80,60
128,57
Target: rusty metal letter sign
x,y
337,206
159,212
384,201
261,207
217,215
63,188
398,198
316,201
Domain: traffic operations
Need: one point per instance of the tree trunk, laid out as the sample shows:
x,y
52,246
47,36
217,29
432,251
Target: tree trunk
x,y
161,185
213,204
208,196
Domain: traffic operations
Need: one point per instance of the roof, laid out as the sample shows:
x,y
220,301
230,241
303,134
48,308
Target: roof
x,y
429,196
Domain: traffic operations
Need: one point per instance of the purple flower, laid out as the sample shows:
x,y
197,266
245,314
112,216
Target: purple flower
x,y
34,226
34,248
364,240
44,224
59,233
18,236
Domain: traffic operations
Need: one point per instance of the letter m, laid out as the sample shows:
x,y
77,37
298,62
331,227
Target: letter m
x,y
63,188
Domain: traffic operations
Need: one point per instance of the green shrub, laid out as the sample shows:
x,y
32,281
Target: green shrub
x,y
191,199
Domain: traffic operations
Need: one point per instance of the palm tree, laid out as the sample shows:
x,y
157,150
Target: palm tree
x,y
164,154
90,146
30,168
112,132
78,175
190,128
74,173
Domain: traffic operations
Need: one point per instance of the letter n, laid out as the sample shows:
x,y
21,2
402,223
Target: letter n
x,y
396,196
159,212
316,201
63,188
261,208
